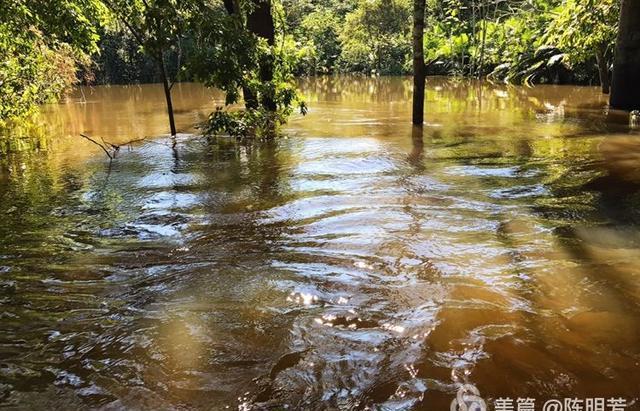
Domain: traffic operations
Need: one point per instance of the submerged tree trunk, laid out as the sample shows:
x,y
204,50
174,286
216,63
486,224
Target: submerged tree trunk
x,y
625,90
603,68
167,94
419,67
260,23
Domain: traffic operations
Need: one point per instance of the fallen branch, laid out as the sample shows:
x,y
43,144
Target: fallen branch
x,y
99,145
115,148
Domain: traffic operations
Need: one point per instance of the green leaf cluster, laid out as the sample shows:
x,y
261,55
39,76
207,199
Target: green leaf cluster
x,y
581,27
42,42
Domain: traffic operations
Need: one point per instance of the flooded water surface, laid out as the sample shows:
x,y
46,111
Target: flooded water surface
x,y
355,263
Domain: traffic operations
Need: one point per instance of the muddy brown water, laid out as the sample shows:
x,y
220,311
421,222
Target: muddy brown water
x,y
357,263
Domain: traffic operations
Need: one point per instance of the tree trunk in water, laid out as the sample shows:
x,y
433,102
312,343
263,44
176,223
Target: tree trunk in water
x,y
250,100
625,90
603,69
260,23
419,68
167,94
416,157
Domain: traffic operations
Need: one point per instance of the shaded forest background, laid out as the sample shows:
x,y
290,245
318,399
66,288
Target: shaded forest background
x,y
539,41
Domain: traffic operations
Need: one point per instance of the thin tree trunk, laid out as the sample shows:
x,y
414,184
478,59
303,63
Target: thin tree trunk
x,y
603,68
474,59
625,90
483,16
167,94
419,67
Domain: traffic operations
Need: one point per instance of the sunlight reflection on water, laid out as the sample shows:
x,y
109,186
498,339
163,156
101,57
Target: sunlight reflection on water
x,y
357,263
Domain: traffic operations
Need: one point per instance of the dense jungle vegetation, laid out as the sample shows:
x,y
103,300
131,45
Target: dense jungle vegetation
x,y
570,38
539,41
48,46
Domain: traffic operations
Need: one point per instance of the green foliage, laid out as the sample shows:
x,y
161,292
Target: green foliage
x,y
520,41
258,122
462,37
121,62
376,37
581,27
41,44
367,36
71,22
321,28
248,123
157,25
32,72
224,53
